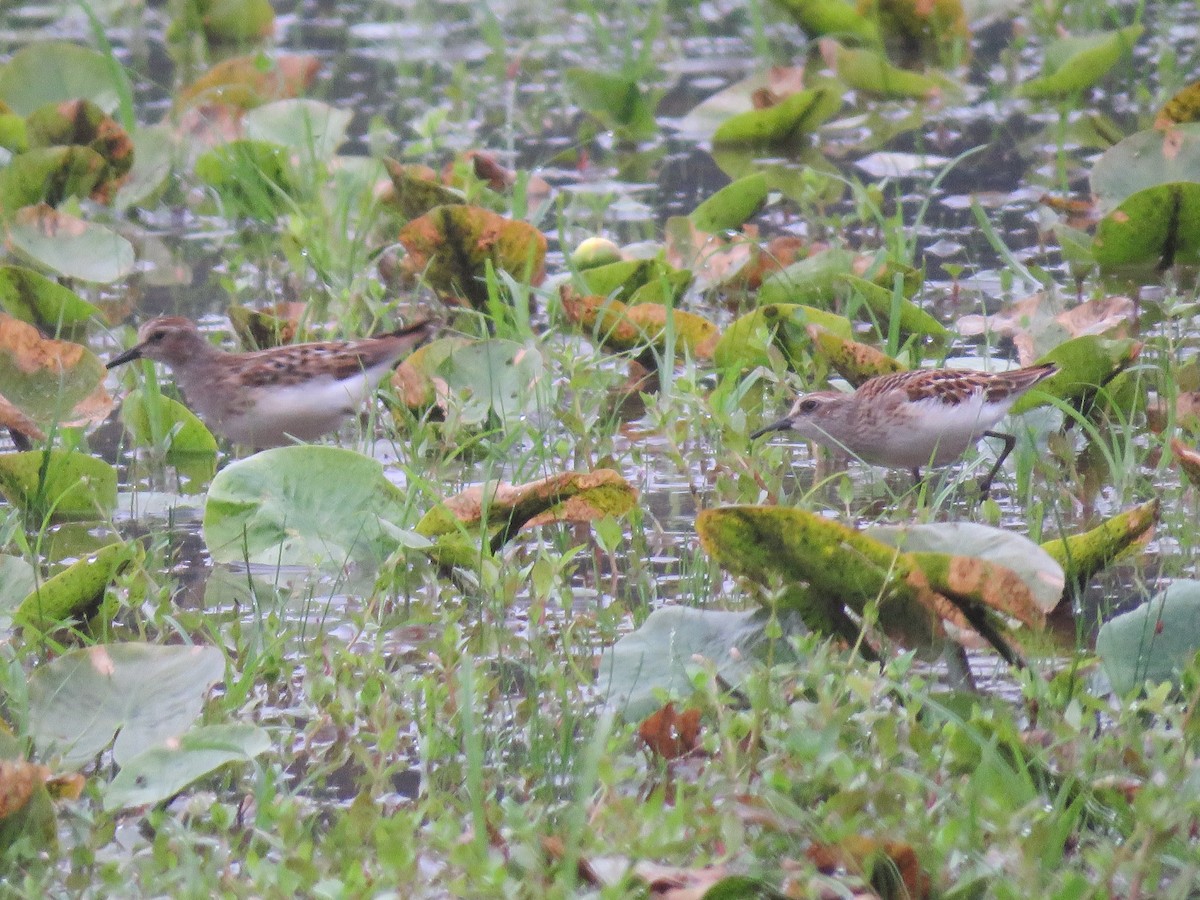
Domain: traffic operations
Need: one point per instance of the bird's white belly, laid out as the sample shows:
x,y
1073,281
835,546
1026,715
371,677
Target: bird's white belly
x,y
933,433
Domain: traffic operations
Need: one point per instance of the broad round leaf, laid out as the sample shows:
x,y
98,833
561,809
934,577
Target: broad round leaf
x,y
1159,226
1154,642
77,592
1144,160
493,377
69,245
52,72
62,484
162,772
144,694
305,505
52,382
34,298
311,128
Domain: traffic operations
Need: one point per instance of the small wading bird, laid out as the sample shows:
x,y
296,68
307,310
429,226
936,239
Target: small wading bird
x,y
913,419
273,397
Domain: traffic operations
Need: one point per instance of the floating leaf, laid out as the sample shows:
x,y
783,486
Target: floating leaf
x,y
61,484
416,190
159,773
312,129
157,421
77,593
836,18
507,508
155,149
451,247
1159,226
50,175
1181,109
1153,643
854,361
416,380
869,71
886,305
52,382
1085,365
1077,63
55,71
26,811
1144,160
245,82
275,326
816,278
303,505
629,279
69,245
1083,555
749,93
617,101
145,694
918,30
79,123
1038,324
622,328
789,121
659,657
34,298
732,205
229,21
1189,461
1037,568
17,579
670,734
492,378
774,329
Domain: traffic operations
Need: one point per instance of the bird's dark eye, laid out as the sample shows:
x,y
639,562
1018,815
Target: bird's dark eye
x,y
157,336
809,405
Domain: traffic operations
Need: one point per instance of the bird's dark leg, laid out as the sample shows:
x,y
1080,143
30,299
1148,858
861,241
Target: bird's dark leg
x,y
916,473
985,486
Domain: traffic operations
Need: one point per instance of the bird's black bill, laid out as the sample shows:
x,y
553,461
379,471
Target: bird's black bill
x,y
128,356
782,425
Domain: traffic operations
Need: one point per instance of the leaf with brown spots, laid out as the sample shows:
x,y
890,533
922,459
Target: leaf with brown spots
x,y
450,247
243,82
1189,460
47,381
879,861
854,361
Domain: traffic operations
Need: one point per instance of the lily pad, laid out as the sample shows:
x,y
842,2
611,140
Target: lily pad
x,y
791,120
504,509
304,505
836,18
157,421
1145,160
854,361
617,101
69,245
249,81
34,298
1075,64
50,175
144,694
1085,365
79,123
1159,226
622,328
416,189
732,205
17,579
77,593
52,382
625,279
450,247
1083,555
1034,566
58,484
56,71
869,72
160,773
492,378
822,277
660,656
309,127
773,330
1153,643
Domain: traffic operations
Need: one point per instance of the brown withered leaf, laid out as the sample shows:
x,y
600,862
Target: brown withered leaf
x,y
671,734
1187,413
1189,460
15,420
712,259
49,380
557,498
1182,108
1036,326
275,326
620,327
854,361
242,81
18,780
675,883
1080,214
556,851
872,857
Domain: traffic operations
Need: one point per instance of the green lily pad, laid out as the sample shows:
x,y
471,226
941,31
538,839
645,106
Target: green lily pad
x,y
835,18
623,279
309,127
55,71
450,247
622,328
1083,555
1147,159
774,329
416,189
77,593
34,298
1075,64
50,175
886,305
154,151
69,245
789,121
304,505
869,71
17,579
160,773
82,123
157,421
1085,364
822,277
1159,226
617,101
493,377
732,205
144,694
60,484
230,21
656,661
1037,568
1153,643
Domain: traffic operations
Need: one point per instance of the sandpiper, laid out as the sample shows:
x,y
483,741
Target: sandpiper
x,y
273,397
913,419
